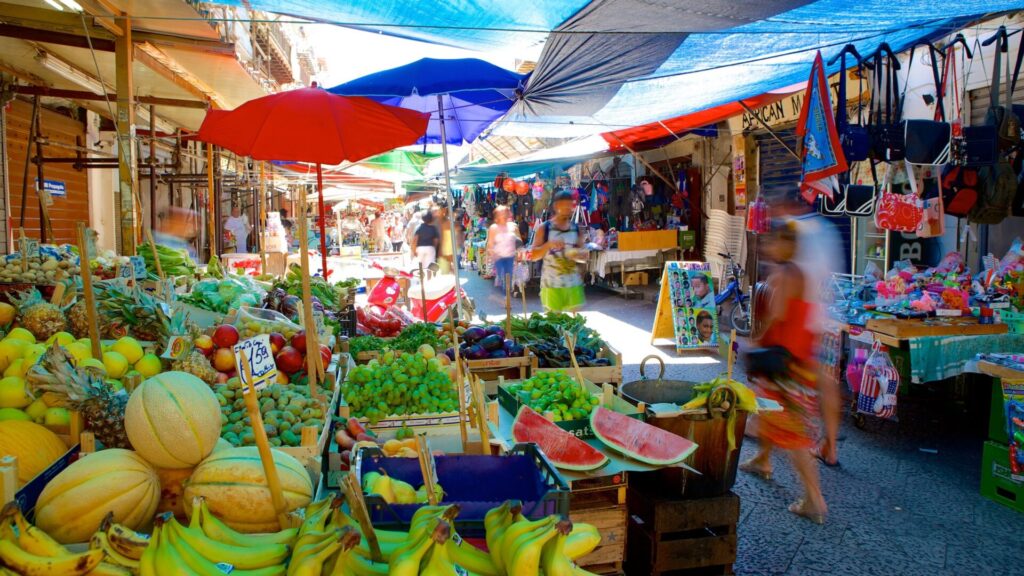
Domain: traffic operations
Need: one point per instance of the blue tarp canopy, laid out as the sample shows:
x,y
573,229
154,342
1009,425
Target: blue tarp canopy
x,y
611,64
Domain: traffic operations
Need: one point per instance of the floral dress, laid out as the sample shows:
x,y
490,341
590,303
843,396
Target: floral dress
x,y
561,286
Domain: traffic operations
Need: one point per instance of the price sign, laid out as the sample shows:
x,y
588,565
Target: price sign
x,y
139,266
177,346
260,359
126,271
29,247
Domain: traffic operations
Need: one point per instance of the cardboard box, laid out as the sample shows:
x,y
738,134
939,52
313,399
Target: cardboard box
x,y
636,279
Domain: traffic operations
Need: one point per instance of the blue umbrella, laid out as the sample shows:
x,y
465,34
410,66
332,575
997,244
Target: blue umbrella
x,y
463,97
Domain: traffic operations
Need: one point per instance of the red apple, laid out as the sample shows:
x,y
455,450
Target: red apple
x,y
325,355
289,360
204,344
222,378
299,341
277,342
224,360
225,336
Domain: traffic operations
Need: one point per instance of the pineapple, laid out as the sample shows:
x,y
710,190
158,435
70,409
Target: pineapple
x,y
196,364
38,316
84,390
137,312
78,319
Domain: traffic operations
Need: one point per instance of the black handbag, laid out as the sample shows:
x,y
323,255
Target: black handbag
x,y
853,138
927,142
998,181
769,362
884,125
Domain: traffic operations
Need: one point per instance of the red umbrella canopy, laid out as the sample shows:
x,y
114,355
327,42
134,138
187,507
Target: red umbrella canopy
x,y
313,125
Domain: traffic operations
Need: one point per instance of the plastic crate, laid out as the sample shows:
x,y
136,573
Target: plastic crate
x,y
1014,321
998,484
477,483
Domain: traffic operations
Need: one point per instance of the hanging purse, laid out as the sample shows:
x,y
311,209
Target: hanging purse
x,y
860,198
927,142
972,146
998,181
896,212
884,127
853,138
925,183
959,189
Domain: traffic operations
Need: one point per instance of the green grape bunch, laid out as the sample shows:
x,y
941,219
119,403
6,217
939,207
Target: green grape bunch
x,y
398,384
558,393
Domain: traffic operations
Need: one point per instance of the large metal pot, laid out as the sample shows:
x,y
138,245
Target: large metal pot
x,y
709,429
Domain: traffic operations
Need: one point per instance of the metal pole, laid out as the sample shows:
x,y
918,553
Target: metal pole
x,y
28,159
152,171
451,208
323,233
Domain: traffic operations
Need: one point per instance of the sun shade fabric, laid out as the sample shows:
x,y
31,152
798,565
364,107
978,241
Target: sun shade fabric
x,y
474,93
312,125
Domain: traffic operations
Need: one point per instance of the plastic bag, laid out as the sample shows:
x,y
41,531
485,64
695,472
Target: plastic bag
x,y
878,386
255,321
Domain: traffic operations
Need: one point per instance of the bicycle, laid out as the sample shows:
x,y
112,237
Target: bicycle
x,y
739,316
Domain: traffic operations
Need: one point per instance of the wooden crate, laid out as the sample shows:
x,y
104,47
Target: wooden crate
x,y
597,374
490,370
312,447
681,537
636,279
903,329
601,501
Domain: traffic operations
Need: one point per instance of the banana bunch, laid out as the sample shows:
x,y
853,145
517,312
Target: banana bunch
x,y
26,550
522,547
121,546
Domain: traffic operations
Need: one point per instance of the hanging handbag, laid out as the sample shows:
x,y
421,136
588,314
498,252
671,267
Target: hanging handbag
x,y
880,381
971,146
853,138
998,181
884,127
959,189
897,212
925,183
860,198
927,142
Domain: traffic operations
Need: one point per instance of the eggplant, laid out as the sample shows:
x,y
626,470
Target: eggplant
x,y
492,342
450,353
515,350
496,329
476,352
474,335
499,353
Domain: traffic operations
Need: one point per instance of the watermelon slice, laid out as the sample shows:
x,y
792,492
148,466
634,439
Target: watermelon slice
x,y
639,440
562,448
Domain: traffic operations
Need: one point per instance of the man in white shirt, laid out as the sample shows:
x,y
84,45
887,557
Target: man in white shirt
x,y
238,225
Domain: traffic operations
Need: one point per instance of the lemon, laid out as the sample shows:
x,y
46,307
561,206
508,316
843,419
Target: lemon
x,y
62,338
12,414
36,410
57,419
10,350
128,347
116,364
13,393
79,351
93,363
7,313
149,365
31,354
17,368
20,333
115,384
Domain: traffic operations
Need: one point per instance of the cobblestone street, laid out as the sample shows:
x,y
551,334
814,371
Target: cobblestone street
x,y
904,500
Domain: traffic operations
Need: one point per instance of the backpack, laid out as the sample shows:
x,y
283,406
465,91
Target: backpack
x,y
998,181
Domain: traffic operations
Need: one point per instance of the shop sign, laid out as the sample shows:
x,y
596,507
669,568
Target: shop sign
x,y
787,110
53,187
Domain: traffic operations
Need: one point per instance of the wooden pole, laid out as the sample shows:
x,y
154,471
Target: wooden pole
x,y
570,343
426,468
263,218
460,388
313,362
423,298
732,344
90,298
357,505
263,446
481,415
211,215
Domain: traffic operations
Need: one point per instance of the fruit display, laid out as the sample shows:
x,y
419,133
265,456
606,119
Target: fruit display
x,y
173,262
639,440
561,447
479,343
173,420
234,486
395,491
289,349
226,294
115,480
35,447
556,392
54,264
28,550
131,311
39,316
399,384
285,409
543,334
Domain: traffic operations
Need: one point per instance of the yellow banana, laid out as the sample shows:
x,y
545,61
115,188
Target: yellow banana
x,y
553,560
407,563
215,528
387,549
351,563
508,540
500,519
470,557
340,519
101,541
311,544
127,542
29,537
168,560
316,518
241,557
203,566
420,525
29,564
582,540
313,564
107,569
525,557
701,399
147,564
438,561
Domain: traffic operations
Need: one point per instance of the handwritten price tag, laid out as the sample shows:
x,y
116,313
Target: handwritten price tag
x,y
29,247
260,359
139,267
127,271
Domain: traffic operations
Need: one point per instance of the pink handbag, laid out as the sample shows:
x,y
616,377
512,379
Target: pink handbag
x,y
897,212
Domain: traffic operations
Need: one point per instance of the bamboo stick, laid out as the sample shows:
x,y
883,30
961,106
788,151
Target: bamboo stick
x,y
263,446
90,298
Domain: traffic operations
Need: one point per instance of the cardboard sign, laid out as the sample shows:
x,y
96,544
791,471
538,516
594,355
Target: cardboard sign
x,y
28,247
687,303
260,358
126,271
177,346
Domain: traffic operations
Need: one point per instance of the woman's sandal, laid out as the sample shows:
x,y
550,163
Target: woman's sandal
x,y
800,509
750,468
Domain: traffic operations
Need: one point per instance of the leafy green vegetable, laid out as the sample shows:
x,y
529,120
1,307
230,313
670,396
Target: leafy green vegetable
x,y
172,262
414,336
365,344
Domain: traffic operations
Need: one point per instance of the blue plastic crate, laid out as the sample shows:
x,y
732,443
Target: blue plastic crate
x,y
476,483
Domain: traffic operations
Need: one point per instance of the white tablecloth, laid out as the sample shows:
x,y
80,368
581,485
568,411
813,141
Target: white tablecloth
x,y
599,261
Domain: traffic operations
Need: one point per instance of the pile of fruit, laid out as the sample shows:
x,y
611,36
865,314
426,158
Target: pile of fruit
x,y
53,264
289,353
354,435
558,393
285,409
479,343
399,384
395,491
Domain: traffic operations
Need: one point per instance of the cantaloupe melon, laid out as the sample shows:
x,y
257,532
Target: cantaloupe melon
x,y
35,447
72,505
235,488
172,489
173,420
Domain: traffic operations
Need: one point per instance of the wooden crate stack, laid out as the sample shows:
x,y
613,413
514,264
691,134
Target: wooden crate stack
x,y
675,537
601,501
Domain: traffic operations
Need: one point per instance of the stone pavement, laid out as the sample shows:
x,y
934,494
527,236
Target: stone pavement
x,y
896,505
